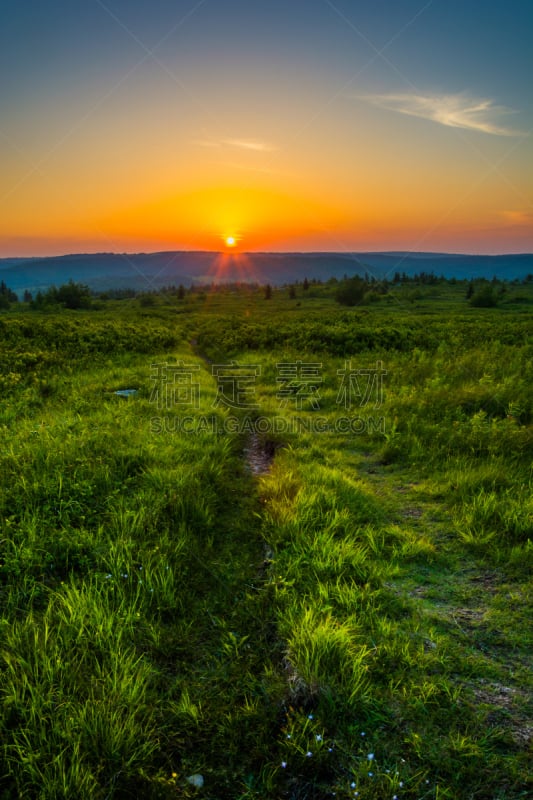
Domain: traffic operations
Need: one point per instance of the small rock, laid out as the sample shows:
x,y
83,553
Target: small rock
x,y
196,780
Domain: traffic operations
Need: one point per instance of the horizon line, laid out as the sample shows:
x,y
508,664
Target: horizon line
x,y
236,253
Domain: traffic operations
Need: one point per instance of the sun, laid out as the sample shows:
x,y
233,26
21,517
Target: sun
x,y
231,241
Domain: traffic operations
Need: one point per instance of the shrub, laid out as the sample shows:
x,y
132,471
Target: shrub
x,y
74,295
352,291
484,298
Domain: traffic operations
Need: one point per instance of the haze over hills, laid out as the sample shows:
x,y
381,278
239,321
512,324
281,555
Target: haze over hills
x,y
151,271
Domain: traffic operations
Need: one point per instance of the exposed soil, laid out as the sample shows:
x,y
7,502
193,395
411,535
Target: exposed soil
x,y
259,454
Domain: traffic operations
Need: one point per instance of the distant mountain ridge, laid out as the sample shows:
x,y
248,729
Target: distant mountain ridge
x,y
152,271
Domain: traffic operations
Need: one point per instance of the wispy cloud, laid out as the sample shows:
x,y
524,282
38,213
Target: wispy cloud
x,y
520,218
453,110
247,144
242,144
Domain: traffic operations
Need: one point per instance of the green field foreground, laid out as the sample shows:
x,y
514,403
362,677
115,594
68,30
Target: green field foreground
x,y
261,575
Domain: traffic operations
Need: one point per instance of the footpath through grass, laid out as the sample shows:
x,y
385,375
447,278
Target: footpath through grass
x,y
353,622
134,641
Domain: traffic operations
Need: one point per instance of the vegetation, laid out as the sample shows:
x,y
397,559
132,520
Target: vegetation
x,y
267,550
485,297
352,291
7,296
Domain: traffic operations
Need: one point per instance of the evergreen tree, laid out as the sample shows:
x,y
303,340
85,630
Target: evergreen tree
x,y
7,296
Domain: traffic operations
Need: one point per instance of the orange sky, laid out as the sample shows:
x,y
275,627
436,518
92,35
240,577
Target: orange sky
x,y
301,139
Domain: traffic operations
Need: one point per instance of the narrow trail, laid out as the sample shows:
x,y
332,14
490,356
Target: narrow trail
x,y
193,344
259,454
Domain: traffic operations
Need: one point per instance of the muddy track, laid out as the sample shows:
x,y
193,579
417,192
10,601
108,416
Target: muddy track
x,y
259,454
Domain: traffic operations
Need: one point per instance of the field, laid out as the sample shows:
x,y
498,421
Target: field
x,y
293,562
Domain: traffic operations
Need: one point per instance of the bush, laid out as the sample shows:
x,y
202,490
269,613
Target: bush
x,y
484,298
352,291
74,295
70,295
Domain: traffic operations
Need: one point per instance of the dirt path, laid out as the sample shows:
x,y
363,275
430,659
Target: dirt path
x,y
259,454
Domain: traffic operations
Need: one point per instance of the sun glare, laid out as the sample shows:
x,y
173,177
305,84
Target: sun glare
x,y
231,241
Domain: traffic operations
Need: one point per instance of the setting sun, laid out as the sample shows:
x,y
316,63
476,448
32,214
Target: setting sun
x,y
252,168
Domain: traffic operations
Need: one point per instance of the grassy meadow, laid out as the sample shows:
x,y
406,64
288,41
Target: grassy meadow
x,y
294,563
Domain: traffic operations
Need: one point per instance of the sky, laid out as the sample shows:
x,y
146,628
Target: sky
x,y
287,125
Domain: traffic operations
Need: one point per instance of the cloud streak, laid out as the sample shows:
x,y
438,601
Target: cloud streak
x,y
519,218
246,144
241,144
452,110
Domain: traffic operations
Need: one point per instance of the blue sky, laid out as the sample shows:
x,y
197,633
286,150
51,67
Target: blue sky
x,y
302,100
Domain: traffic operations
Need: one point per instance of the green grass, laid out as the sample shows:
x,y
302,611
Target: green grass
x,y
354,619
